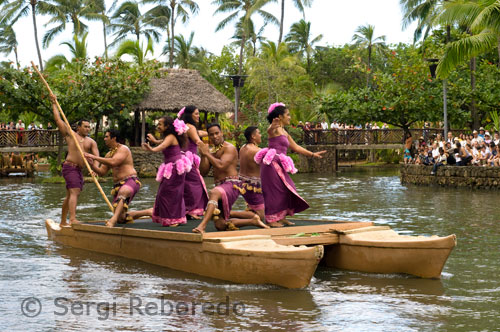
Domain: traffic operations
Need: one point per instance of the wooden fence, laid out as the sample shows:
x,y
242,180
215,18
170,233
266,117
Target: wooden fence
x,y
29,138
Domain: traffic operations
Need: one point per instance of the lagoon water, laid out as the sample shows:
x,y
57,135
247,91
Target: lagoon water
x,y
85,291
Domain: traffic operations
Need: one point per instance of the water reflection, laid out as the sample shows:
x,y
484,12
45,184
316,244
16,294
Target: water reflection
x,y
466,298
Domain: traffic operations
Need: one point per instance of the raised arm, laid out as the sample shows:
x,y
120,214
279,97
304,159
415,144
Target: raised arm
x,y
63,128
169,140
272,130
297,148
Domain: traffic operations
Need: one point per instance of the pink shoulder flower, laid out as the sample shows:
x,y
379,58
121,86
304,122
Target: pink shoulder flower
x,y
260,155
180,127
268,158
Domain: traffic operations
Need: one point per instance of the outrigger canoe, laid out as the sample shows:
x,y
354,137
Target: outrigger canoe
x,y
379,249
286,256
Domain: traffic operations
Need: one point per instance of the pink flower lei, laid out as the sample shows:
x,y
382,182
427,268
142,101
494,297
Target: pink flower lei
x,y
180,127
181,112
273,106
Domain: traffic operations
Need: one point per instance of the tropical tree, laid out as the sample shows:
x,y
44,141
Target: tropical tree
x,y
79,51
299,40
179,9
128,19
8,41
15,9
365,38
184,51
422,11
103,13
242,11
160,16
253,37
300,4
134,49
62,12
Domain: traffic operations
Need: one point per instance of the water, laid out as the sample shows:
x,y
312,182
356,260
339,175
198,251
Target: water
x,y
85,291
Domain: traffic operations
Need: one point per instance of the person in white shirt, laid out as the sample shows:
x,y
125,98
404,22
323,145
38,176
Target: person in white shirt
x,y
20,125
324,125
435,151
496,138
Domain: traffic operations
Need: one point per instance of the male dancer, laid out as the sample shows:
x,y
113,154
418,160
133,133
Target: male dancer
x,y
223,159
72,166
249,175
119,159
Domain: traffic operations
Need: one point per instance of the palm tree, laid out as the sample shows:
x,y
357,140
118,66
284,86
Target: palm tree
x,y
79,51
159,17
181,6
242,11
253,37
299,40
134,49
62,12
183,50
422,11
128,19
100,12
365,37
13,10
482,19
300,4
8,41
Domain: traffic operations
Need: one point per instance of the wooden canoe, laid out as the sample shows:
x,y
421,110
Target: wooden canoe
x,y
249,259
379,249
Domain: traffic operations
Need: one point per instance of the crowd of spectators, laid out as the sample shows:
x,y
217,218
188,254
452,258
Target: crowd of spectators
x,y
14,133
311,126
19,125
476,149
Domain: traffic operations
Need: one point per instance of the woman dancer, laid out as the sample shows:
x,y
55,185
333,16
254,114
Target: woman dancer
x,y
195,191
280,196
168,210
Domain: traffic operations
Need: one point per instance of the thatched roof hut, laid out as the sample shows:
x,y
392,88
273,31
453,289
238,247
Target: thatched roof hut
x,y
181,87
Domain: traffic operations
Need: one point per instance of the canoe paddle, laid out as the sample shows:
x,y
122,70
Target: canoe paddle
x,y
72,133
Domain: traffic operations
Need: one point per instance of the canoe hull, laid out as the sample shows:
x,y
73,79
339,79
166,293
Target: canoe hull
x,y
247,259
422,257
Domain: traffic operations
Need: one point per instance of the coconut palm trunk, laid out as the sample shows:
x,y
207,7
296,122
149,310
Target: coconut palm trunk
x,y
282,20
105,33
172,23
473,106
17,59
33,14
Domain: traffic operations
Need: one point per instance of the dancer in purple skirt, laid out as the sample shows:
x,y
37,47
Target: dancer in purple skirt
x,y
169,208
195,191
280,196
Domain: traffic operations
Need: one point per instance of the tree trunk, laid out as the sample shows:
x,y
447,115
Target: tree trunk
x,y
281,21
473,107
137,136
17,59
96,131
498,51
105,41
369,66
33,8
172,21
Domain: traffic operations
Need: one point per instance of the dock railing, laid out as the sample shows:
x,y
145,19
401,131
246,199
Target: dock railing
x,y
29,138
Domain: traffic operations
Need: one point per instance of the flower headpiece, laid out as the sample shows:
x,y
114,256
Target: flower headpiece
x,y
179,115
180,127
273,106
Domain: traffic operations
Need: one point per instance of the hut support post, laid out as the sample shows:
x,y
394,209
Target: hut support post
x,y
136,127
143,128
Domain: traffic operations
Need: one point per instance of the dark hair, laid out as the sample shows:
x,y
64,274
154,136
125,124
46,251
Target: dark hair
x,y
277,111
187,116
249,132
81,121
458,145
114,133
441,150
213,124
168,122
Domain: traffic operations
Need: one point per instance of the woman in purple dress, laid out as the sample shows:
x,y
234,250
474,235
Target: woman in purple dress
x,y
195,191
280,196
168,210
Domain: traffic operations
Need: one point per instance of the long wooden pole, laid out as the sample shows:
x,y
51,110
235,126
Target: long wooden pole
x,y
72,133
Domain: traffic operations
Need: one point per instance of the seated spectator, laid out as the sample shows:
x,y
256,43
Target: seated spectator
x,y
467,156
487,138
483,155
435,150
440,161
450,151
493,154
421,156
428,160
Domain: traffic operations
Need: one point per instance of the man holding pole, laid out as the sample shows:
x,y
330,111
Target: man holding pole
x,y
119,159
72,166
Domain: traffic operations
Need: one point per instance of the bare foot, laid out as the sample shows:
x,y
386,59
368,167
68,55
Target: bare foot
x,y
111,222
174,225
275,224
257,222
199,230
64,224
190,216
74,221
286,222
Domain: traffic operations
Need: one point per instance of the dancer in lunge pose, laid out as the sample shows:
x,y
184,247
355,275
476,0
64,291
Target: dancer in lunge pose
x,y
280,196
223,158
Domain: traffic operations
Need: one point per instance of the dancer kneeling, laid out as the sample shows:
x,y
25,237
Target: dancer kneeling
x,y
223,158
119,159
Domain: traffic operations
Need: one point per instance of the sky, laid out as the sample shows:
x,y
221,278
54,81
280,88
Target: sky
x,y
336,20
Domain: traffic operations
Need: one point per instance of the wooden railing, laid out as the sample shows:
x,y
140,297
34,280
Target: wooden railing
x,y
29,138
366,136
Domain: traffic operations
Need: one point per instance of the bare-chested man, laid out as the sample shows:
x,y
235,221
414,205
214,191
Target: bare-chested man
x,y
119,160
250,172
72,166
223,158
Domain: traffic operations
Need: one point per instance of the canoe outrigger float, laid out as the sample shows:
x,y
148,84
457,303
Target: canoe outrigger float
x,y
285,256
